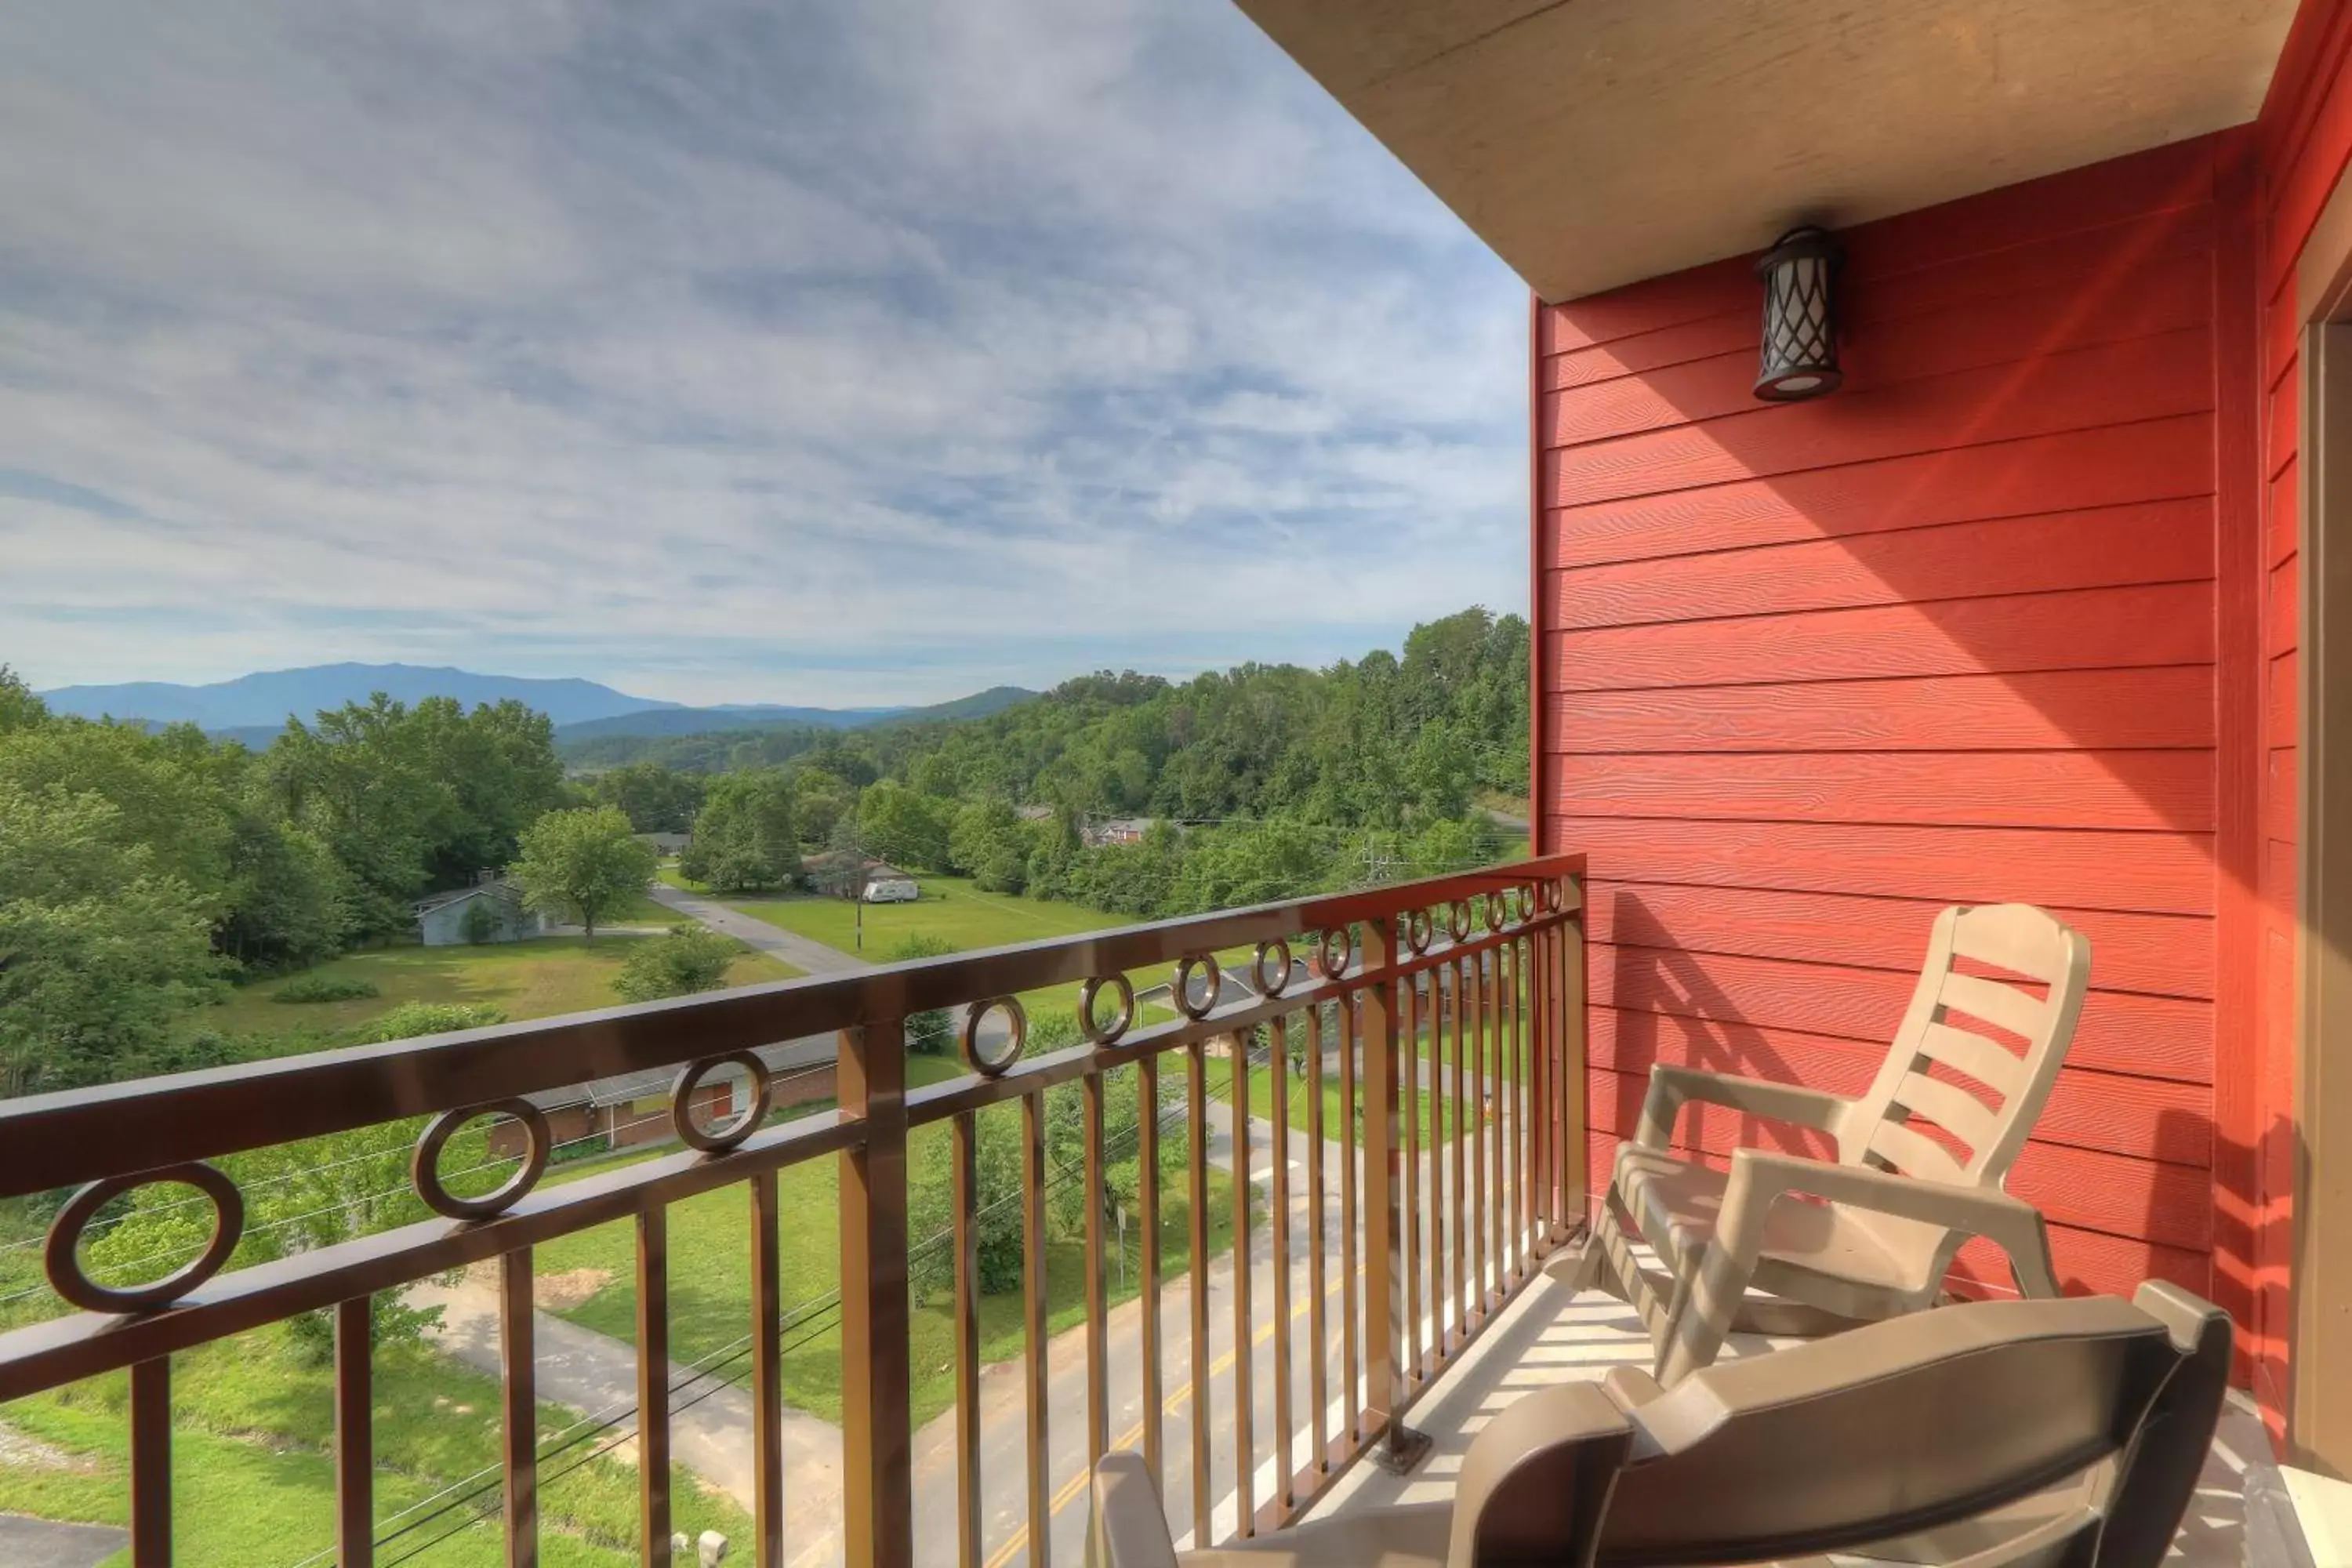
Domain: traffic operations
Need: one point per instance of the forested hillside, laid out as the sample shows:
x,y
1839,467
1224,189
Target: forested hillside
x,y
1261,781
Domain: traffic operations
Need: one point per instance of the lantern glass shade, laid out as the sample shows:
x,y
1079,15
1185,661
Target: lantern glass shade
x,y
1800,357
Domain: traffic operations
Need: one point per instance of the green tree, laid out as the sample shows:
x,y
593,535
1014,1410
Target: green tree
x,y
904,826
657,799
102,956
990,844
744,836
580,863
687,959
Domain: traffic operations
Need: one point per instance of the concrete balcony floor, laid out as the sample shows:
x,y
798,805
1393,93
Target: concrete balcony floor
x,y
1551,1334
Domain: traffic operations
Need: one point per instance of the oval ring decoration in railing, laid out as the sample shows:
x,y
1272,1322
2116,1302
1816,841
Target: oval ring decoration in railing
x,y
1099,1032
1016,1034
741,1125
1457,920
425,1165
1334,950
1276,947
1418,930
1495,911
1180,990
61,1255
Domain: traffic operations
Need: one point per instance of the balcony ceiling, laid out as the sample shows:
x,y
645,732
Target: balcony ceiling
x,y
1593,142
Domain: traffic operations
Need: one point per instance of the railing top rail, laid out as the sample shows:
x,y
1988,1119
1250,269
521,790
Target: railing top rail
x,y
59,1140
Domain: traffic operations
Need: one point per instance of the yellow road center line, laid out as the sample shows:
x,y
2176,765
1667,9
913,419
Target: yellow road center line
x,y
1077,1483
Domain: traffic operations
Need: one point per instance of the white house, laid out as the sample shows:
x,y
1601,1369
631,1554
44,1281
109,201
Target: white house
x,y
490,911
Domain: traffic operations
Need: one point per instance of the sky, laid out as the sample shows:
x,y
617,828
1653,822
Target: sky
x,y
854,352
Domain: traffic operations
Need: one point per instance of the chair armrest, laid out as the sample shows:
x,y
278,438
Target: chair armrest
x,y
1671,1087
1129,1528
1760,1177
1535,1483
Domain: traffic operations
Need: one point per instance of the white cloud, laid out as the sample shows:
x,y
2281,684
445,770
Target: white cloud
x,y
728,352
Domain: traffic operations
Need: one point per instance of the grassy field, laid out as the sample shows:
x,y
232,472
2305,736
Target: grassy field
x,y
709,1281
253,1471
535,979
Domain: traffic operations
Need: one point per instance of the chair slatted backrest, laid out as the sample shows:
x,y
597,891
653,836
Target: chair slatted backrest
x,y
1954,1100
2038,1431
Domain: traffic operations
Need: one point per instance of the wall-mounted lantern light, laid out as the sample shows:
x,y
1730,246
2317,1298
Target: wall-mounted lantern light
x,y
1800,276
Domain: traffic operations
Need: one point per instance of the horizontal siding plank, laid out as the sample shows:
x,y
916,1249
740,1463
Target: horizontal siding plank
x,y
2154,459
2169,295
2103,710
2117,250
2154,542
2147,1036
2131,790
2279,535
1982,229
2149,873
2157,1118
2281,424
2279,721
1717,289
2282,609
2093,628
2146,378
2169,955
2278,791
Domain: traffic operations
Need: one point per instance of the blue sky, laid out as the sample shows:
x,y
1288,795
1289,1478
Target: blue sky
x,y
857,352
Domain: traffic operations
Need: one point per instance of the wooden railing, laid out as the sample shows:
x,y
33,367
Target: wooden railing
x,y
1450,1012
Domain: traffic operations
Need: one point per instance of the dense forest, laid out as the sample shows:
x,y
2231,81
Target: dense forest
x,y
143,872
1260,782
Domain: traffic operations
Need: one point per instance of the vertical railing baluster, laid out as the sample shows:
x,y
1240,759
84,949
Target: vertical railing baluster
x,y
1196,1178
653,1386
965,1198
877,1431
520,1397
1090,1181
1575,1047
1318,1376
1278,1174
1474,1118
1147,1273
1350,1266
1434,1112
1457,1216
1244,1395
354,1433
768,1374
1387,1271
1033,1306
1539,985
1523,1211
150,1463
1408,1059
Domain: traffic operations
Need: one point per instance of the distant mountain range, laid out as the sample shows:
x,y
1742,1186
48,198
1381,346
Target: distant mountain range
x,y
255,708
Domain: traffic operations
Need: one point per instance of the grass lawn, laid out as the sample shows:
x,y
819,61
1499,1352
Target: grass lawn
x,y
638,909
710,1276
253,1472
535,979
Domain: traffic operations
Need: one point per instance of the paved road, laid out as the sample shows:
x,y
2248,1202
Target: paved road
x,y
804,953
597,1375
45,1543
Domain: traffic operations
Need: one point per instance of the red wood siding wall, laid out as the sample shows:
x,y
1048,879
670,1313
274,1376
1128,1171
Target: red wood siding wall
x,y
2302,146
1810,672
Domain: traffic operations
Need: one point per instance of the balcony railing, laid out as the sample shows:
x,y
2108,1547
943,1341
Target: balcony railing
x,y
1465,991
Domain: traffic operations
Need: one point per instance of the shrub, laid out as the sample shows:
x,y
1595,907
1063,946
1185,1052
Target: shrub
x,y
687,959
413,1018
323,988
